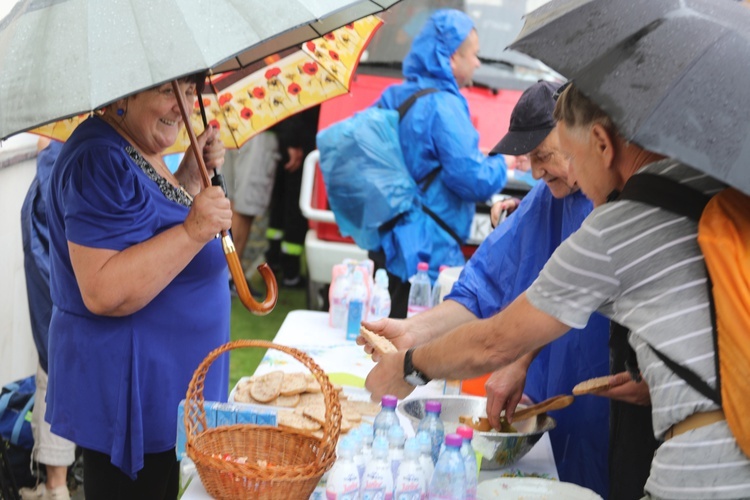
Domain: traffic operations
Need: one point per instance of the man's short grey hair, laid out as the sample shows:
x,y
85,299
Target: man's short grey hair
x,y
577,111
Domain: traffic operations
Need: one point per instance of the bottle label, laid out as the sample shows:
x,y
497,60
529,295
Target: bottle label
x,y
408,488
414,310
338,313
408,495
376,493
354,319
352,495
379,308
375,486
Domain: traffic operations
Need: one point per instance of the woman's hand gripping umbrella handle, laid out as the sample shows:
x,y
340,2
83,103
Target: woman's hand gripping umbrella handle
x,y
233,260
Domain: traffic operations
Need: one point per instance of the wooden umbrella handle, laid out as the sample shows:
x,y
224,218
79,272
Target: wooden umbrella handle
x,y
233,260
243,290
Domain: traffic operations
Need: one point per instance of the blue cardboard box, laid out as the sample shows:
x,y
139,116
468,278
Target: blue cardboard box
x,y
226,414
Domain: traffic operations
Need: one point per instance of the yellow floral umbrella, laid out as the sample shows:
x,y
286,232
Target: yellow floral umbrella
x,y
246,102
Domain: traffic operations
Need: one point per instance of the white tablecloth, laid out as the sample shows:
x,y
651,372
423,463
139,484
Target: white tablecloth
x,y
348,365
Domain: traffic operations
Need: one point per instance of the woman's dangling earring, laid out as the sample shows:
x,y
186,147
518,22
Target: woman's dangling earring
x,y
120,112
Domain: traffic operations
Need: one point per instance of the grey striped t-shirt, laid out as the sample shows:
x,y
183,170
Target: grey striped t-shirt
x,y
641,266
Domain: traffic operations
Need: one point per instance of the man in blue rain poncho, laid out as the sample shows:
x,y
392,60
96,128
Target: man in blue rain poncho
x,y
505,265
441,152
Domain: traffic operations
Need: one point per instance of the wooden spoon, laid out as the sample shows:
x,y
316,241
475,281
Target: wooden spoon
x,y
553,403
482,424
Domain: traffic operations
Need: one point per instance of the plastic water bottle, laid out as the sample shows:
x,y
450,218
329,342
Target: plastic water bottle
x,y
377,483
420,293
357,300
410,481
343,482
368,434
380,304
339,293
387,416
425,455
359,459
434,426
437,292
449,479
396,438
470,460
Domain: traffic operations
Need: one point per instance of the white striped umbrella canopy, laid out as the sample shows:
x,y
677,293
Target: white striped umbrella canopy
x,y
61,58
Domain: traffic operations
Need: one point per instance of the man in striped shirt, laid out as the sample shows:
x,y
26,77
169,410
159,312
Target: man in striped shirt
x,y
636,264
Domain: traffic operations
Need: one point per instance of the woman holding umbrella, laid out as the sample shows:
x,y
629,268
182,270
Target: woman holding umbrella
x,y
139,285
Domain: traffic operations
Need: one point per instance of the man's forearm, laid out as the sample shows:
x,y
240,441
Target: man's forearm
x,y
468,351
483,346
438,321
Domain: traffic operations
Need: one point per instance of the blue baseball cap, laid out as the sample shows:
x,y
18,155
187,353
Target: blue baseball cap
x,y
531,120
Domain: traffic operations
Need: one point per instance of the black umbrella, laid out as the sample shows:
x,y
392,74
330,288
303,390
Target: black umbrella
x,y
674,75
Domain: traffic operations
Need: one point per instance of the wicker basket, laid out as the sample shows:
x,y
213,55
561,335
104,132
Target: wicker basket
x,y
282,463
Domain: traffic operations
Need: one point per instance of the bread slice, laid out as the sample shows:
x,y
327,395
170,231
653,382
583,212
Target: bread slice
x,y
481,424
381,344
311,399
318,413
293,383
285,401
291,420
347,412
267,387
362,407
592,385
313,387
242,393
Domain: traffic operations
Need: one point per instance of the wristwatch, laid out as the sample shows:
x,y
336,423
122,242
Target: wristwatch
x,y
412,375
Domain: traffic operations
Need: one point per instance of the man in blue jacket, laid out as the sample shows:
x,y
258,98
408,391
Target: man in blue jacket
x,y
505,265
441,151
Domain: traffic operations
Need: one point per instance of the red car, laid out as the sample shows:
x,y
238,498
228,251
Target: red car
x,y
498,84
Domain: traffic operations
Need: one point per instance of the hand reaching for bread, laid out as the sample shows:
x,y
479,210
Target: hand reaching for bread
x,y
619,386
379,344
392,330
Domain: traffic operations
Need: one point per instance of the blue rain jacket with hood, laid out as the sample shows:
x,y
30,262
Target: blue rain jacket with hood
x,y
503,267
437,133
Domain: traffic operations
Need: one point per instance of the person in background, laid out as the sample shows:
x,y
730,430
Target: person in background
x,y
505,264
53,452
287,226
249,173
441,152
139,288
607,267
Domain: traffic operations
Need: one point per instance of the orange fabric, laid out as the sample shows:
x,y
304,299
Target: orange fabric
x,y
475,386
724,238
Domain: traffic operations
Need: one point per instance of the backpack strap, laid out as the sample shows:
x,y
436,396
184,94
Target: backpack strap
x,y
680,199
16,433
5,398
665,193
440,222
407,104
428,179
620,348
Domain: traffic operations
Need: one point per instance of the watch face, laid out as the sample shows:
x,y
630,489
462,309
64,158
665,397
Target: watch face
x,y
414,379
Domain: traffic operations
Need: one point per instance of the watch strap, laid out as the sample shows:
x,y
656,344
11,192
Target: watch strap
x,y
411,371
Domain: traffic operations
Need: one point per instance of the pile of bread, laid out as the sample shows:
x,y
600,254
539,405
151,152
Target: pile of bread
x,y
301,393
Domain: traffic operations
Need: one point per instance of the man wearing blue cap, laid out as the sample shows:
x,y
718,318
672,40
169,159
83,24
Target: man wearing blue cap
x,y
505,264
441,152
